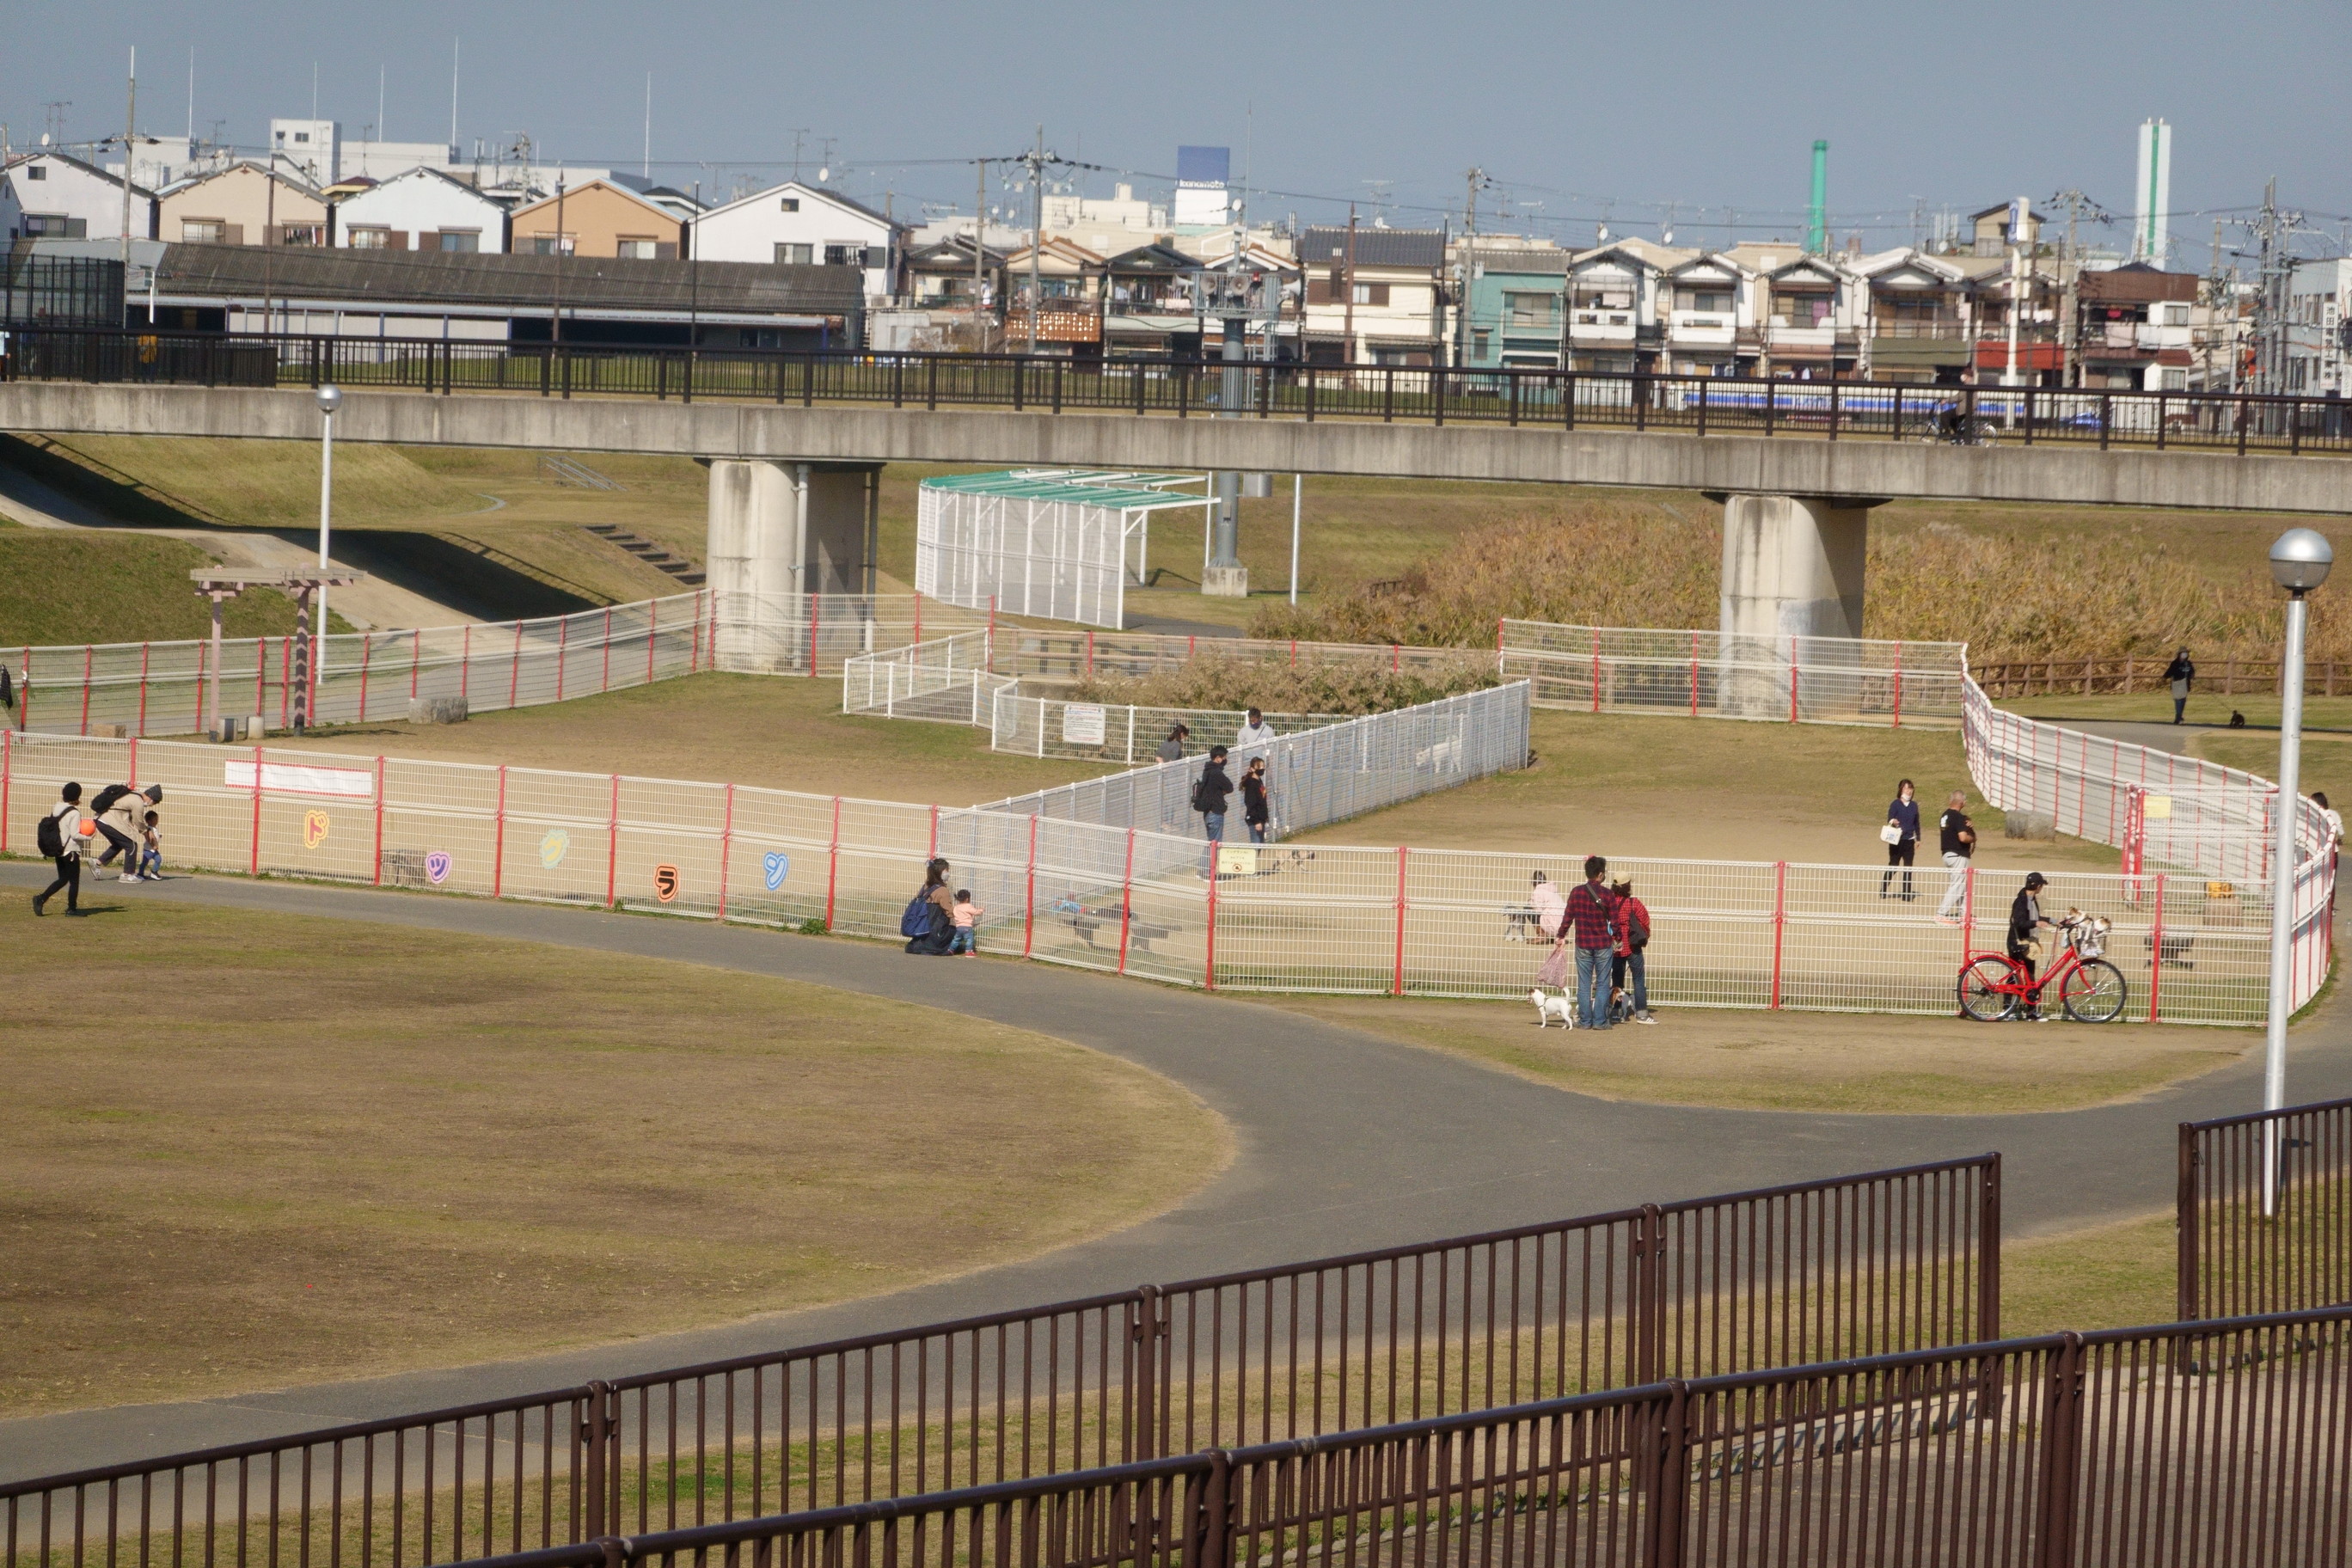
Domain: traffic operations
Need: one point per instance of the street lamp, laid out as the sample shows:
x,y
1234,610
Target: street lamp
x,y
331,397
2299,564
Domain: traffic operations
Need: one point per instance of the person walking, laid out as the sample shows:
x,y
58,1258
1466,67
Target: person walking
x,y
1171,750
2025,924
1210,792
1255,731
2182,674
1901,836
1632,936
58,836
1257,810
1957,839
1591,920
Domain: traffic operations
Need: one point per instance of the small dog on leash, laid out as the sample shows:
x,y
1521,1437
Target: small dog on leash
x,y
1550,1008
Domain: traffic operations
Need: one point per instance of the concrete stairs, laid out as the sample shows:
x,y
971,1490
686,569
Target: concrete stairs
x,y
647,551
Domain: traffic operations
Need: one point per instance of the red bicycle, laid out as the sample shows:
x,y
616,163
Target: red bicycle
x,y
1994,986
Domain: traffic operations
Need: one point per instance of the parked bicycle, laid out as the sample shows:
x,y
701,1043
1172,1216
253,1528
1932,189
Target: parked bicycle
x,y
1994,986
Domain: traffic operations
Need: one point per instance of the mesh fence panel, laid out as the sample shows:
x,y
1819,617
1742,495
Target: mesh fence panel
x,y
1718,675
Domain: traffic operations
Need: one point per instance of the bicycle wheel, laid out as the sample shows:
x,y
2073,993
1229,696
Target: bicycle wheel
x,y
2094,993
1981,996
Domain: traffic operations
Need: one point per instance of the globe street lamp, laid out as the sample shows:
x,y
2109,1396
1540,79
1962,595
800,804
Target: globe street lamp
x,y
331,397
2299,562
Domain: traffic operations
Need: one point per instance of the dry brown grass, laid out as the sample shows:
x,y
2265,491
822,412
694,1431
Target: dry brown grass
x,y
1217,681
242,1150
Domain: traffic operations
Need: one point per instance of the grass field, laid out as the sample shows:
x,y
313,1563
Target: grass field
x,y
2111,1277
59,587
1811,1062
774,731
1708,790
258,1150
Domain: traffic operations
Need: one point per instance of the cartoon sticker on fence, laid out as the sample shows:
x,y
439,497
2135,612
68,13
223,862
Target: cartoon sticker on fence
x,y
776,868
314,829
553,848
436,865
666,882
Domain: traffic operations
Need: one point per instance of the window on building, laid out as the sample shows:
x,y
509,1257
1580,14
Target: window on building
x,y
1805,309
790,203
1371,293
1481,344
460,240
844,256
370,238
301,234
37,171
1529,309
794,255
2175,380
636,247
1714,300
204,231
302,138
56,225
554,244
2176,315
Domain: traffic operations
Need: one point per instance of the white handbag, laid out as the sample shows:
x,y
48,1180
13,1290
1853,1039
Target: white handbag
x,y
1890,834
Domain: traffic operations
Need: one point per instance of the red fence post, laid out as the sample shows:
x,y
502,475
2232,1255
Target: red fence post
x,y
988,644
812,600
203,652
1596,669
260,675
604,682
653,621
613,845
918,615
379,822
562,647
367,646
832,863
694,659
726,849
1779,921
1396,987
514,680
143,648
132,777
935,833
86,657
1125,891
1792,680
499,845
1898,675
1029,919
1967,909
466,663
1090,654
2155,951
416,659
1693,674
253,862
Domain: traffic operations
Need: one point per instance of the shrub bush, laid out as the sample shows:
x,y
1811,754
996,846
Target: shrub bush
x,y
1351,688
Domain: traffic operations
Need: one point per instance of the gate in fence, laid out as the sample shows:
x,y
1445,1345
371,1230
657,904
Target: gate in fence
x,y
2266,1211
1859,1266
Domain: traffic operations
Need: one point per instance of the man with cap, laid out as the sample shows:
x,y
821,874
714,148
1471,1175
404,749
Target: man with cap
x,y
2025,920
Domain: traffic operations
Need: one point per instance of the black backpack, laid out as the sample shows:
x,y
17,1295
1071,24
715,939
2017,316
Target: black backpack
x,y
48,839
106,798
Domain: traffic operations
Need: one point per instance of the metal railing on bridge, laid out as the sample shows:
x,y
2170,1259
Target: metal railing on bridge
x,y
1686,404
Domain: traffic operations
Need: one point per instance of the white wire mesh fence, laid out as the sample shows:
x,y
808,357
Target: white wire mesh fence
x,y
1120,732
179,688
1718,675
1061,544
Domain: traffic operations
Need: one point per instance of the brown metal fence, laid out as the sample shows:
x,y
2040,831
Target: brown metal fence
x,y
2226,677
2210,1444
2265,1211
1856,1265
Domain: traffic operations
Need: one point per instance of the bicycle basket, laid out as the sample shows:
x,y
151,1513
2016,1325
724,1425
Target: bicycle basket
x,y
2090,936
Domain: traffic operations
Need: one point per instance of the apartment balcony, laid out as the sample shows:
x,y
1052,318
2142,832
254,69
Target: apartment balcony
x,y
1701,329
1782,335
1602,326
1945,324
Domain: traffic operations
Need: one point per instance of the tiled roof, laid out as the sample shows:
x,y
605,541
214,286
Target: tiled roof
x,y
1374,247
453,278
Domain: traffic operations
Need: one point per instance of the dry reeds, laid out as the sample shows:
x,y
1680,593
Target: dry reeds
x,y
1219,681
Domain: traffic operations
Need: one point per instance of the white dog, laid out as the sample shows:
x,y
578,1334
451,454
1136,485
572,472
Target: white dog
x,y
1550,1008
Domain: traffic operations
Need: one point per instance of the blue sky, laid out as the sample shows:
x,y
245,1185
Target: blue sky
x,y
1578,112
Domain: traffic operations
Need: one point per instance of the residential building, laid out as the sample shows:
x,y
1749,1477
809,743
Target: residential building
x,y
1707,306
1989,231
484,296
243,203
63,197
1807,320
944,275
1518,305
599,218
1374,296
12,211
1068,281
1919,312
1106,226
1152,303
2319,327
309,149
1614,306
424,209
2132,328
796,225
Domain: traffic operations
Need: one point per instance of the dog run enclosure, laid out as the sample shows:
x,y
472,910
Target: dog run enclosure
x,y
1856,1265
1061,544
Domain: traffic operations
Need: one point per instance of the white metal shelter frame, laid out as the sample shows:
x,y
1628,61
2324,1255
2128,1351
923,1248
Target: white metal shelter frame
x,y
1058,543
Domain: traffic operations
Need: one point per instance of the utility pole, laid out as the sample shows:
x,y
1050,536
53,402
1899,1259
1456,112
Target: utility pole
x,y
979,260
1036,231
130,124
1348,320
2018,212
2070,274
555,324
1475,178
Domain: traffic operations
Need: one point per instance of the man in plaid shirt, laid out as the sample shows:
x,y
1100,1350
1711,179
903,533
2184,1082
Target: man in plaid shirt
x,y
1591,917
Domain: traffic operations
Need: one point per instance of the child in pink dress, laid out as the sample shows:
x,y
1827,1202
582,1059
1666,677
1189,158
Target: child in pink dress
x,y
965,943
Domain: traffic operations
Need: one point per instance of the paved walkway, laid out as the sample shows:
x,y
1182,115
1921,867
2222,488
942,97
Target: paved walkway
x,y
1345,1140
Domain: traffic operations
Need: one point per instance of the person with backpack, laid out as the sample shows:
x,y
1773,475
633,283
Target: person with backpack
x,y
2180,675
119,801
1632,936
928,922
1210,792
57,836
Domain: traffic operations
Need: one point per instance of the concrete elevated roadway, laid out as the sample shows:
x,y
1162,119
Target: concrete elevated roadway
x,y
783,520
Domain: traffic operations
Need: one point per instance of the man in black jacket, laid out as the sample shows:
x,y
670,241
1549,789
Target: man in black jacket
x,y
1210,792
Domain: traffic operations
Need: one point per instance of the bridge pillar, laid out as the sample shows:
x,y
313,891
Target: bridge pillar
x,y
1793,568
778,531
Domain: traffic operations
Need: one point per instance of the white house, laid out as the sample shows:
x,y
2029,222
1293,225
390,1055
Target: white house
x,y
422,209
804,225
66,198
